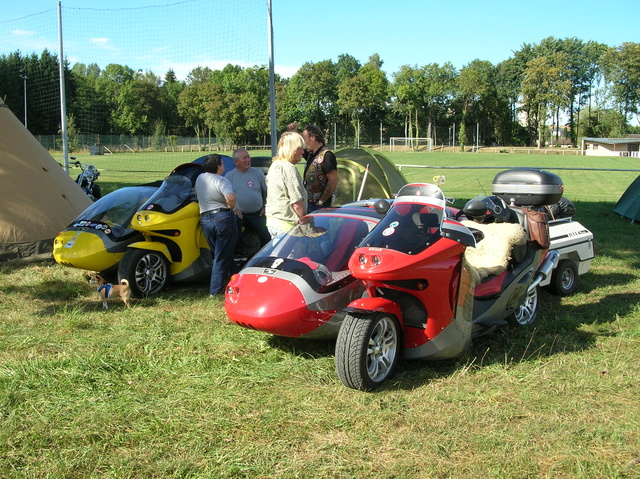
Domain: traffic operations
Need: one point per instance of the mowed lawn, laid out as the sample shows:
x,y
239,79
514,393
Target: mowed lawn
x,y
171,389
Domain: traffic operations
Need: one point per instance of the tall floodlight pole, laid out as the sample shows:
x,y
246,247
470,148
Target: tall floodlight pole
x,y
272,86
63,95
24,80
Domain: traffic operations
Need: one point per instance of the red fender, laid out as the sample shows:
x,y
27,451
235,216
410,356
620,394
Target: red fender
x,y
375,305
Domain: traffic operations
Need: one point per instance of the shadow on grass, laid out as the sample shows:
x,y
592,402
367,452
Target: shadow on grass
x,y
591,283
558,330
313,348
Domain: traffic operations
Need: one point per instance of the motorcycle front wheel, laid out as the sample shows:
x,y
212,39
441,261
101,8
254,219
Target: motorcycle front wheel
x,y
146,271
528,311
367,350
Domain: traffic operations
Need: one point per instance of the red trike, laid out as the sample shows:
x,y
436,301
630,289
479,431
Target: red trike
x,y
433,282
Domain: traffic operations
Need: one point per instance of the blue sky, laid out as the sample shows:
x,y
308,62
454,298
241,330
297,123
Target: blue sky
x,y
402,32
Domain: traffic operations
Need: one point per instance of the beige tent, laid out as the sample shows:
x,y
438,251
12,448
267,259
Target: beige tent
x,y
38,198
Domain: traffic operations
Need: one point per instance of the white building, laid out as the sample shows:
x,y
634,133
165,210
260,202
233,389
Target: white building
x,y
611,146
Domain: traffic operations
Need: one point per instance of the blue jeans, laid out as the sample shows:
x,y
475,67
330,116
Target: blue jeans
x,y
221,231
254,221
313,207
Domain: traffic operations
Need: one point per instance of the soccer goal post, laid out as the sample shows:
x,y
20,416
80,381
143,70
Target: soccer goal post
x,y
414,144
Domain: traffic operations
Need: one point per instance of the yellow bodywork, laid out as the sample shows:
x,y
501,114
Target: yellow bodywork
x,y
182,227
83,250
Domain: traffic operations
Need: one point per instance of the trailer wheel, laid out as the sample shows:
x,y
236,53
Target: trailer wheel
x,y
564,279
367,350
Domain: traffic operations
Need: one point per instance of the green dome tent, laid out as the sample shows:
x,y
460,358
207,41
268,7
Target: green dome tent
x,y
365,174
629,203
38,197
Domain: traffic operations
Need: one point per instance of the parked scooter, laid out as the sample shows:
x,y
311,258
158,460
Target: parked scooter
x,y
424,298
87,180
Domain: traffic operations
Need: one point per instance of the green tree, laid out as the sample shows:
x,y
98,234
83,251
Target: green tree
x,y
169,94
407,95
545,86
87,99
255,103
347,66
477,95
352,95
603,123
137,107
378,92
312,92
12,67
510,74
73,136
594,74
364,95
622,66
192,105
199,75
438,86
43,89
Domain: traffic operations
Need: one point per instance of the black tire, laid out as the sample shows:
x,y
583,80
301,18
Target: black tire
x,y
96,191
527,312
146,271
564,279
367,350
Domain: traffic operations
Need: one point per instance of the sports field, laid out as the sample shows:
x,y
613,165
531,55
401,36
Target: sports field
x,y
466,174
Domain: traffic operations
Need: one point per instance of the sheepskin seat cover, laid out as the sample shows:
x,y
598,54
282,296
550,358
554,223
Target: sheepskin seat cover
x,y
492,254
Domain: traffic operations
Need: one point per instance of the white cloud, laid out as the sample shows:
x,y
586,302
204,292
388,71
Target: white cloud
x,y
102,42
285,71
23,32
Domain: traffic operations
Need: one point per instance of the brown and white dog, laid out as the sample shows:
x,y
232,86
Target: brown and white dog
x,y
108,290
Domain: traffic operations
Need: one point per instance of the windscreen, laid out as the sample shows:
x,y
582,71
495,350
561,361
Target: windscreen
x,y
113,212
323,243
174,193
408,228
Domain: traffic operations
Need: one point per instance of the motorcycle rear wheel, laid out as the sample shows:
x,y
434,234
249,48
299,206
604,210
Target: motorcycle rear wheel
x,y
146,271
527,312
367,350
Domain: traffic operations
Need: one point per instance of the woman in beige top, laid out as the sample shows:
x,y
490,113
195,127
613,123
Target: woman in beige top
x,y
286,194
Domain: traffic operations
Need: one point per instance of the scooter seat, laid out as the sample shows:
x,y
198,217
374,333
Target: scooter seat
x,y
492,255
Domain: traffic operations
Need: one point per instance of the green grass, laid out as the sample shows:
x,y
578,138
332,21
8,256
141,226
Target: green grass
x,y
170,388
467,174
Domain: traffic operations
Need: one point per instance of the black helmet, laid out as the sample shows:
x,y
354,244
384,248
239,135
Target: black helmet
x,y
487,209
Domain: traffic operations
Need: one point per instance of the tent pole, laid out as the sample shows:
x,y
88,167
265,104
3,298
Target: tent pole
x,y
364,180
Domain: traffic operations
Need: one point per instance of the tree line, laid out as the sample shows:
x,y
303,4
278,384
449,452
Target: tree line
x,y
581,88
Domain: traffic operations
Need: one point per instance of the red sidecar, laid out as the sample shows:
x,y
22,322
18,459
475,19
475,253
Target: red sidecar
x,y
299,283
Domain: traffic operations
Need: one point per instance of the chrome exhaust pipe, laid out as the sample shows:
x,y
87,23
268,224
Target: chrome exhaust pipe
x,y
545,269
